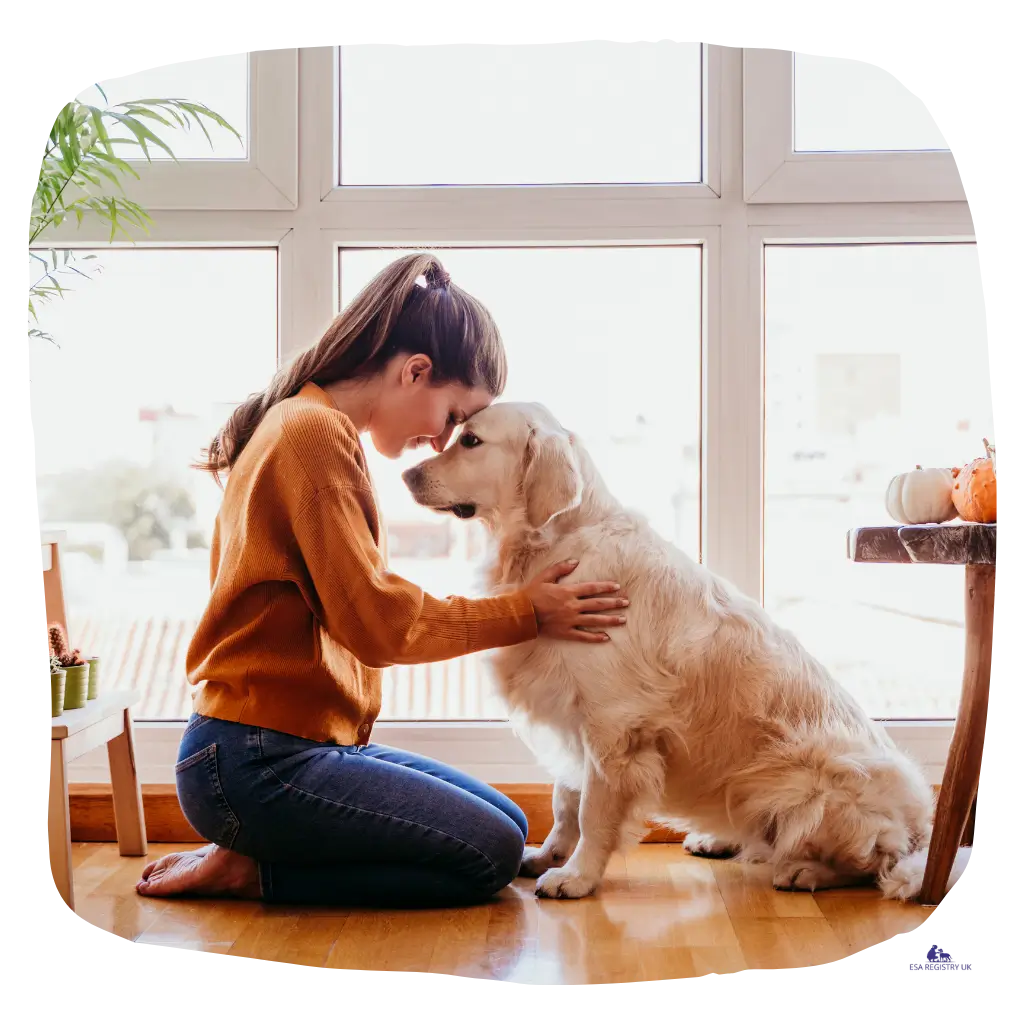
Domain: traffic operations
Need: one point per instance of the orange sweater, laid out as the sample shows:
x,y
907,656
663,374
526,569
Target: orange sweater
x,y
303,612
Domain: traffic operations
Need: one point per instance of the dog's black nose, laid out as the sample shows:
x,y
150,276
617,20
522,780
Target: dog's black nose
x,y
412,477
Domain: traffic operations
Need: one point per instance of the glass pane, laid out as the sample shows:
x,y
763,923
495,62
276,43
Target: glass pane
x,y
220,83
847,106
154,354
494,115
876,361
609,340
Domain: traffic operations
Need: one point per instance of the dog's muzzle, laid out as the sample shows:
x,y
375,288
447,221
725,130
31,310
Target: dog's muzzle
x,y
414,479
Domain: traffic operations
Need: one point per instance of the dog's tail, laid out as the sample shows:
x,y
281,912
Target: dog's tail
x,y
904,879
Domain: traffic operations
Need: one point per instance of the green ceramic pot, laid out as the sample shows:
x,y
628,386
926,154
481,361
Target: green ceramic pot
x,y
76,687
57,682
94,677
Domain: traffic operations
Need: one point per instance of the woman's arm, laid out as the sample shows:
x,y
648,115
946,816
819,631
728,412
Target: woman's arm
x,y
380,617
317,478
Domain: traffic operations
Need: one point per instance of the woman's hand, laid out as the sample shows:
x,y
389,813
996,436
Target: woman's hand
x,y
569,611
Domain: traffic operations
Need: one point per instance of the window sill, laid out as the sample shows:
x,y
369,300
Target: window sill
x,y
490,751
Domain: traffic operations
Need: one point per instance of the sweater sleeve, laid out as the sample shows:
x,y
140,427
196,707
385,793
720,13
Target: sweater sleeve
x,y
319,479
380,617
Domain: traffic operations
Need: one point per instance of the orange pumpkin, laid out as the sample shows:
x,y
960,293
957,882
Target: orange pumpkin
x,y
974,489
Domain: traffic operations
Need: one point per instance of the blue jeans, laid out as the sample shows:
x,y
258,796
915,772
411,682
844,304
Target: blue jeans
x,y
353,826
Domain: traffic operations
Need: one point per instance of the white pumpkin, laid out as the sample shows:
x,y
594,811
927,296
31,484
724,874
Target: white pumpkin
x,y
921,496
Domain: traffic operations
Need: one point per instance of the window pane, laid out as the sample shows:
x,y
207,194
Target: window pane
x,y
154,354
220,83
609,340
876,361
848,106
492,115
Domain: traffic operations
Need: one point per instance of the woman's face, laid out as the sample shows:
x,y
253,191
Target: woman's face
x,y
411,410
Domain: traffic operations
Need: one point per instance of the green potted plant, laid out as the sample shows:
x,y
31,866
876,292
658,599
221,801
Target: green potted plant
x,y
76,669
57,681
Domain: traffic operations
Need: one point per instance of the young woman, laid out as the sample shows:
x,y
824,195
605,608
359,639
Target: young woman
x,y
276,769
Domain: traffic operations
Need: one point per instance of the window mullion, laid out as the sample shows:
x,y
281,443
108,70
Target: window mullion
x,y
732,445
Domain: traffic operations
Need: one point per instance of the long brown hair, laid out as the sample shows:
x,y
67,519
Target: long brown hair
x,y
392,314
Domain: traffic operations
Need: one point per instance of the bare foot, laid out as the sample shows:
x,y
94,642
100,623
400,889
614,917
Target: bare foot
x,y
211,871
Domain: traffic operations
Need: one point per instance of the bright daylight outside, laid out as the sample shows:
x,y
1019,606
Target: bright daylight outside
x,y
540,114
157,348
855,385
154,353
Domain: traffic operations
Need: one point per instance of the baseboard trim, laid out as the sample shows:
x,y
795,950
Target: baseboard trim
x,y
92,813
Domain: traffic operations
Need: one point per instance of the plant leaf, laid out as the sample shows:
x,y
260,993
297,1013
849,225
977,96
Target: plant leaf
x,y
142,132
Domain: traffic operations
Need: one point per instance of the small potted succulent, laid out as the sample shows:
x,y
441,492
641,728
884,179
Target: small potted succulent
x,y
57,678
76,668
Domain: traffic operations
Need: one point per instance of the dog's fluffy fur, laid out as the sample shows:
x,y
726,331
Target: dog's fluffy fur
x,y
701,712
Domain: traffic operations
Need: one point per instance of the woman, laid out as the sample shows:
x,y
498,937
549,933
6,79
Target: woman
x,y
276,769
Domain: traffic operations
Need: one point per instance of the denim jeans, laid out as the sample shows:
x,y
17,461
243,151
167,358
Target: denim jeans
x,y
355,826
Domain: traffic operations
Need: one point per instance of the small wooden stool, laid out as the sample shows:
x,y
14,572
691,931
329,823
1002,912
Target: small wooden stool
x,y
107,719
972,545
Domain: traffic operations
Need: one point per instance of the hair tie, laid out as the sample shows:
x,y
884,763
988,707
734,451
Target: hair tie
x,y
439,277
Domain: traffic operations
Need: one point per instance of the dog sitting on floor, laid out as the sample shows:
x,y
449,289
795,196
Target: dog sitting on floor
x,y
700,712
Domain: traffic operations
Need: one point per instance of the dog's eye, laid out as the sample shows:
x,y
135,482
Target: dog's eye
x,y
470,441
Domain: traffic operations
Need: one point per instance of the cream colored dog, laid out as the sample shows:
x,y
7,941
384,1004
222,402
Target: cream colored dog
x,y
700,712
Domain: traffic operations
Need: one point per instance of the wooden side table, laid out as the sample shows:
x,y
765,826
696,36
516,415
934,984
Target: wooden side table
x,y
107,719
972,545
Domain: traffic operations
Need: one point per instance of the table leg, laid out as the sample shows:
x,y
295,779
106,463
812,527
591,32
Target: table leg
x,y
60,825
124,784
963,766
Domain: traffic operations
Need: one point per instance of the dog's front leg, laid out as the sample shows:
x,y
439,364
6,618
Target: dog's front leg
x,y
564,834
603,808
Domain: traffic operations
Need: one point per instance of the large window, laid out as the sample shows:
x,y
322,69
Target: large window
x,y
154,354
875,362
517,115
223,84
746,278
609,339
847,106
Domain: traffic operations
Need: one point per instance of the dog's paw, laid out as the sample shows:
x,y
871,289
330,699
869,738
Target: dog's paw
x,y
804,876
700,844
563,884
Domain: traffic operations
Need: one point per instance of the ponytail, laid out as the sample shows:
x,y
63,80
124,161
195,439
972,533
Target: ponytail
x,y
392,314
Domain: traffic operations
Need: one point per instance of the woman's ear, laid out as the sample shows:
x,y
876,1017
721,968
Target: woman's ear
x,y
415,368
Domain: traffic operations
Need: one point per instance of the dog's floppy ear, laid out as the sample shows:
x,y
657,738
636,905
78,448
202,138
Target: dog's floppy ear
x,y
552,483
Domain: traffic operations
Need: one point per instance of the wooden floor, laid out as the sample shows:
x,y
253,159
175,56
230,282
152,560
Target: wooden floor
x,y
660,914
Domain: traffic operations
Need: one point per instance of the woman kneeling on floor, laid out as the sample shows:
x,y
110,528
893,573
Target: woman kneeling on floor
x,y
276,768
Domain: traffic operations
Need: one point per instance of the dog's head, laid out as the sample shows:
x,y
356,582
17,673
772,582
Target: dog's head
x,y
511,462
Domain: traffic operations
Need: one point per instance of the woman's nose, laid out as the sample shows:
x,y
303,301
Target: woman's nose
x,y
440,442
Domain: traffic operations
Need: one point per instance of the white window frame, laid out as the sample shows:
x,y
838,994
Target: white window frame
x,y
719,214
519,198
773,172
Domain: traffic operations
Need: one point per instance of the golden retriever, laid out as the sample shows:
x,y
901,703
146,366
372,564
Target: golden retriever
x,y
701,712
